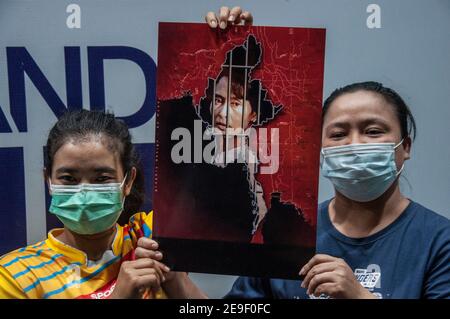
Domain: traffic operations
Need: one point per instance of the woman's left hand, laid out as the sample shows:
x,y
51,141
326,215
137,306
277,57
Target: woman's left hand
x,y
333,277
148,248
175,284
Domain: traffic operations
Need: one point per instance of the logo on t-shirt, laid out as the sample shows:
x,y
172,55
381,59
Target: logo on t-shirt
x,y
103,294
369,278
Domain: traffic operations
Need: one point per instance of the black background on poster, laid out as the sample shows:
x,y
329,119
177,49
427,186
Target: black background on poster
x,y
205,256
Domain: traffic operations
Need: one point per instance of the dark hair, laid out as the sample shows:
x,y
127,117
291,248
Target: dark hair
x,y
404,115
81,125
243,60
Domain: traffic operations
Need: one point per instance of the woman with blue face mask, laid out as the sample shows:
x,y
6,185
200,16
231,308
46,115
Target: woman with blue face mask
x,y
372,241
103,251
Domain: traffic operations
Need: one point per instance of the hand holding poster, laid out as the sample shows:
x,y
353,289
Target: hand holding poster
x,y
237,147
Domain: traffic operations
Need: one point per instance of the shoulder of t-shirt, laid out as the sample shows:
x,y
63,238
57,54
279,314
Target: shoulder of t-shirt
x,y
25,253
21,261
428,220
323,205
422,217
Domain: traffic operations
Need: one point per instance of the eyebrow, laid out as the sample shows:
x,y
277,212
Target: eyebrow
x,y
105,169
233,96
365,122
337,124
66,170
101,169
374,120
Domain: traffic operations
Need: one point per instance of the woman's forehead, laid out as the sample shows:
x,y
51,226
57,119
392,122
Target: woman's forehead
x,y
223,84
86,154
360,106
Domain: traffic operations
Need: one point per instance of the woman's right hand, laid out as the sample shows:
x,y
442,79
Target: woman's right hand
x,y
146,272
226,16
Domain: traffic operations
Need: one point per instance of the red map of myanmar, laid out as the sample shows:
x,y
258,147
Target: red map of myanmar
x,y
291,70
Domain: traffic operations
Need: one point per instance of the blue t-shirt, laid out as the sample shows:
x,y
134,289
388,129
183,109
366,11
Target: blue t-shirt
x,y
410,258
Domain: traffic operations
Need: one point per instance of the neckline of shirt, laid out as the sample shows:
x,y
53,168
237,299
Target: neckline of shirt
x,y
407,213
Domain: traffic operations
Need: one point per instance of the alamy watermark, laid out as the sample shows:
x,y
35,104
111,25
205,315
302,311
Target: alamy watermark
x,y
257,146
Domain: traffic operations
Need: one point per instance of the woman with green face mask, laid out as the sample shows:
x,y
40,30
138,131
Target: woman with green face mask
x,y
103,251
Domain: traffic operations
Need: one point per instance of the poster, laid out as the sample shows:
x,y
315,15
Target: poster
x,y
237,147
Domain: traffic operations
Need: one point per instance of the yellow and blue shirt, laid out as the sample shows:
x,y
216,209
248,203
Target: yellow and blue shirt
x,y
52,269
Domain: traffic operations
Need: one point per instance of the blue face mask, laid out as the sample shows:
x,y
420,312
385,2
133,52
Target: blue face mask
x,y
361,172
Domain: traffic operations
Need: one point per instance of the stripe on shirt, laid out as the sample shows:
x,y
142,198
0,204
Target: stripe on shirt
x,y
56,273
95,273
147,230
45,263
25,257
35,246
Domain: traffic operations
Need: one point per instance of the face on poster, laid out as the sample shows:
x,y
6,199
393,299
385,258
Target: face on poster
x,y
237,146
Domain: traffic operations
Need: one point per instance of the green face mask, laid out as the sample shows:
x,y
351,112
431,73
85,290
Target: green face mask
x,y
87,209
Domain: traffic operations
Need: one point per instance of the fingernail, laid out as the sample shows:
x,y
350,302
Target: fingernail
x,y
223,25
302,271
158,255
231,18
303,284
166,268
213,24
154,245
